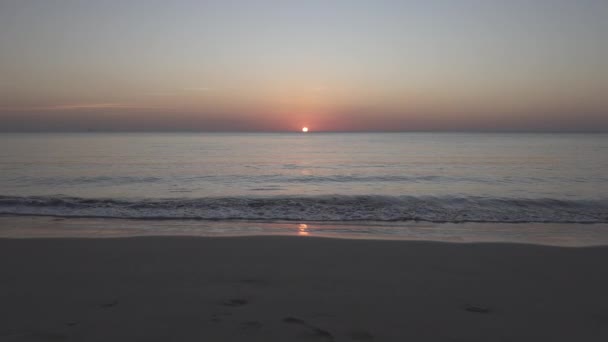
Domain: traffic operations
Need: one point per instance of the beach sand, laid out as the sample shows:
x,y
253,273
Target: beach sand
x,y
298,289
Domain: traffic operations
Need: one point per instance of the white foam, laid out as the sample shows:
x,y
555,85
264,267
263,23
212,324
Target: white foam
x,y
318,208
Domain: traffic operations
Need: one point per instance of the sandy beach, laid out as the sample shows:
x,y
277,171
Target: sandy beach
x,y
303,171
298,289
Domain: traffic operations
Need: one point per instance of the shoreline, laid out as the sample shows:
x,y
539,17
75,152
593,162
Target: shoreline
x,y
551,234
298,289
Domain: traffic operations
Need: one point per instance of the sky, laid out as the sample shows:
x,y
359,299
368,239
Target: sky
x,y
468,65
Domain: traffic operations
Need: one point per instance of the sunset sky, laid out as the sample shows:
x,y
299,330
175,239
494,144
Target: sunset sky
x,y
281,65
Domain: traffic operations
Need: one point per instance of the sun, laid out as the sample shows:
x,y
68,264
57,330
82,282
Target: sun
x,y
304,129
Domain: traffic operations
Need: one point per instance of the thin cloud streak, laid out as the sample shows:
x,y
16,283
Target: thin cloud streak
x,y
79,106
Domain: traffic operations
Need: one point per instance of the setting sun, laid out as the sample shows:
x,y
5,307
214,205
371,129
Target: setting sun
x,y
304,129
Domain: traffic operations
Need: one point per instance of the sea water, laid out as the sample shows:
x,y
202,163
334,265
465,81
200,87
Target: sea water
x,y
312,177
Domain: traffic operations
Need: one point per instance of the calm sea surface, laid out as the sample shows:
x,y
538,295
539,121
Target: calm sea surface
x,y
352,177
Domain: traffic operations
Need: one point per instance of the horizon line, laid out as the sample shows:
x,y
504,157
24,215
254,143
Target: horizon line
x,y
309,132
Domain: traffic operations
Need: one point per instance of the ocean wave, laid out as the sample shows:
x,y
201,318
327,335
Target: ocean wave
x,y
66,181
82,180
318,208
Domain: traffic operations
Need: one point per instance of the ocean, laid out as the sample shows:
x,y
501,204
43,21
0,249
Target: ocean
x,y
359,180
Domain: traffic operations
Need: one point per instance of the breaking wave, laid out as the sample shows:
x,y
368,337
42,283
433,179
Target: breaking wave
x,y
318,208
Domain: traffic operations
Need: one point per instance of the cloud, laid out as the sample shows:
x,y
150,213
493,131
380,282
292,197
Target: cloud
x,y
76,106
161,94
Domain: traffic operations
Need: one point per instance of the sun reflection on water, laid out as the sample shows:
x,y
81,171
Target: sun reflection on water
x,y
303,229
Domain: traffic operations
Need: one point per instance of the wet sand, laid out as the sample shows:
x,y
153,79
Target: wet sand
x,y
298,289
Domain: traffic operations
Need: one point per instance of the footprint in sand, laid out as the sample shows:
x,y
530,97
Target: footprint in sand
x,y
477,309
316,331
110,304
235,302
293,320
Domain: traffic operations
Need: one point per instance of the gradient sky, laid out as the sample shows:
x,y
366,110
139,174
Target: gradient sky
x,y
280,65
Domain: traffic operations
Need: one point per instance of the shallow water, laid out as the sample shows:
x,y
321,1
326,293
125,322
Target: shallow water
x,y
552,234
